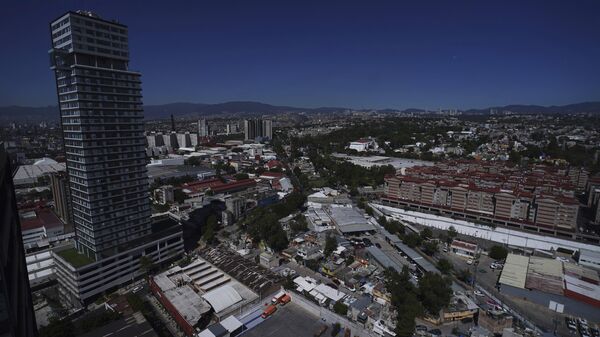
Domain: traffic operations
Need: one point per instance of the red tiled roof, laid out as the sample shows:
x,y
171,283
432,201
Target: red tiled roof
x,y
235,185
272,174
273,163
45,217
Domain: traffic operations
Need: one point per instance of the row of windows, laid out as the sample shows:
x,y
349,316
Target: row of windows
x,y
62,40
79,46
103,98
133,171
77,104
101,113
61,32
107,74
61,23
101,26
104,166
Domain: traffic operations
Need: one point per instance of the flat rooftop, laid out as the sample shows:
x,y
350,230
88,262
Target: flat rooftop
x,y
514,272
349,219
74,258
27,174
175,171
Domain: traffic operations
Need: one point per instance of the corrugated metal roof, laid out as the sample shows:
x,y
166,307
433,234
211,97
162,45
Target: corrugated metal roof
x,y
514,272
383,259
222,298
417,258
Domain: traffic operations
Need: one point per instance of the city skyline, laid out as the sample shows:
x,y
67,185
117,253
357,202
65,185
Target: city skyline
x,y
259,219
460,56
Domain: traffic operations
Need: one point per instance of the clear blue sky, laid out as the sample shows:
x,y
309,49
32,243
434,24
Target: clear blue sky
x,y
397,54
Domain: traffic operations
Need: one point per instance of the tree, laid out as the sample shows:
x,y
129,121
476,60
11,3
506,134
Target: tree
x,y
498,252
312,264
340,308
435,292
335,329
464,275
407,311
404,300
426,234
430,247
179,196
210,229
412,240
299,224
452,233
241,176
444,266
58,328
350,260
330,245
146,264
193,161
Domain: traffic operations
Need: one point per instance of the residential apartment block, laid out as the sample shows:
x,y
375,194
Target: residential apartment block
x,y
540,199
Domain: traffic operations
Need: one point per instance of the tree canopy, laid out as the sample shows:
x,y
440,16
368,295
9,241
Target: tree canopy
x,y
435,292
498,252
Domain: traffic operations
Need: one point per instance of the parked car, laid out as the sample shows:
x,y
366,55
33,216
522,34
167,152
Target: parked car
x,y
367,242
478,293
420,327
470,261
435,332
377,245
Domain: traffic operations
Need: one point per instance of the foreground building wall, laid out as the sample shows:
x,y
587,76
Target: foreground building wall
x,y
16,309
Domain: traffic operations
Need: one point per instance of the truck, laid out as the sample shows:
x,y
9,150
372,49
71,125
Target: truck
x,y
277,297
285,299
269,311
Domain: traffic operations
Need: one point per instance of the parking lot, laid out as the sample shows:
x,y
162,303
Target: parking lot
x,y
289,320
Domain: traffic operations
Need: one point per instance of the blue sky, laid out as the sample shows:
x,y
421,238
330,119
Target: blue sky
x,y
361,54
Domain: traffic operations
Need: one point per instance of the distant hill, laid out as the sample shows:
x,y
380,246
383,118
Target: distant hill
x,y
242,109
585,107
14,113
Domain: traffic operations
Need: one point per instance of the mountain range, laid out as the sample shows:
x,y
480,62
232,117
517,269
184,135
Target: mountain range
x,y
246,109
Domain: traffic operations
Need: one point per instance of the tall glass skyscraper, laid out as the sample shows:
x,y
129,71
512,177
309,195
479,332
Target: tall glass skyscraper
x,y
101,113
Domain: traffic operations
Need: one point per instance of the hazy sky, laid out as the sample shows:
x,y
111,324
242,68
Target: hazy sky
x,y
397,54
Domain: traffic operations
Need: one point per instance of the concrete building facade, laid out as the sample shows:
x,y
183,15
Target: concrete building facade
x,y
100,105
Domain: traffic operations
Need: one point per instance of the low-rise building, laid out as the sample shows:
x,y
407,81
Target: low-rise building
x,y
495,321
82,279
38,225
464,248
589,258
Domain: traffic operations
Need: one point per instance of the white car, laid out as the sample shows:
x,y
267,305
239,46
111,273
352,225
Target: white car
x,y
470,261
478,293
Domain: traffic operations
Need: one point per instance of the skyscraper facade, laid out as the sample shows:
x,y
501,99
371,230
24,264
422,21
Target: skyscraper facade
x,y
101,113
16,309
202,128
61,196
258,129
102,121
